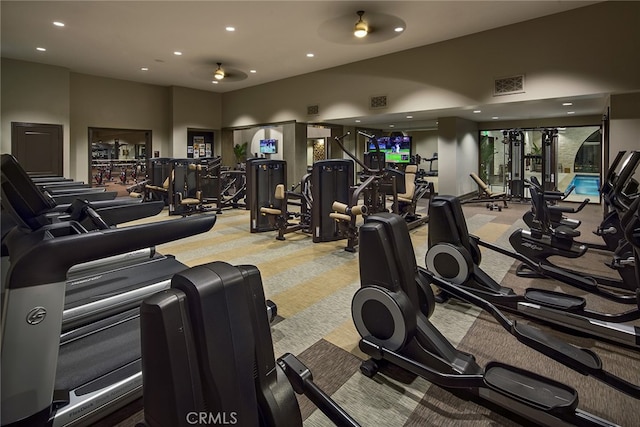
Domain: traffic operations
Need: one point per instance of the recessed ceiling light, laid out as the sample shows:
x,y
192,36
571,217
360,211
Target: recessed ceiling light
x,y
571,112
566,104
41,49
58,23
215,82
409,117
230,29
495,117
310,55
144,69
392,126
398,29
253,71
177,53
477,111
357,121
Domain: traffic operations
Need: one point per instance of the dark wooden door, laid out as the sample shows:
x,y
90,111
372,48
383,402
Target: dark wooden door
x,y
38,147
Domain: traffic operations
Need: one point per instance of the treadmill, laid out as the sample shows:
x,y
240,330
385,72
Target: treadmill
x,y
62,367
111,213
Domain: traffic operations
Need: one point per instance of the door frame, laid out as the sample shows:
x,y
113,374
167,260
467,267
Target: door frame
x,y
59,127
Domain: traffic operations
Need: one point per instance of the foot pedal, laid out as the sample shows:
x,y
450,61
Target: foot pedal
x,y
531,389
561,351
555,299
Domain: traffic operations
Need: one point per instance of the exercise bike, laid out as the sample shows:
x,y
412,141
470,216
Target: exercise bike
x,y
543,241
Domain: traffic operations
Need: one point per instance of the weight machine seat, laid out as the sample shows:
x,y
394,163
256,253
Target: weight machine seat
x,y
346,213
483,189
280,194
165,185
339,217
191,201
270,211
409,183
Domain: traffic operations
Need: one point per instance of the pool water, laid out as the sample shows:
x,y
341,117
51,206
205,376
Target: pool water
x,y
586,185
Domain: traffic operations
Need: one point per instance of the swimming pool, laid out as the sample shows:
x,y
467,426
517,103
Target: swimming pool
x,y
586,185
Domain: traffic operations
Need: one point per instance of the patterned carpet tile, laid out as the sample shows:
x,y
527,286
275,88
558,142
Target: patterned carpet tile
x,y
313,285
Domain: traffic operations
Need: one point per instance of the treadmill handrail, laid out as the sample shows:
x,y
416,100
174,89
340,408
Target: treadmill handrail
x,y
54,256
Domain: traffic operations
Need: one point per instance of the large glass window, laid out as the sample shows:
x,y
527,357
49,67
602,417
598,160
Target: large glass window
x,y
578,158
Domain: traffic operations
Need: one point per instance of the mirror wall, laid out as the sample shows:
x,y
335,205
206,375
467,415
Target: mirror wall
x,y
118,157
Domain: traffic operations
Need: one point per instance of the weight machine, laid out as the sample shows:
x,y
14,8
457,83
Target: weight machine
x,y
515,140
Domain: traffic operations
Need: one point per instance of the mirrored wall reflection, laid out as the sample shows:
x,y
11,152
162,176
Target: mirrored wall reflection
x,y
118,157
576,159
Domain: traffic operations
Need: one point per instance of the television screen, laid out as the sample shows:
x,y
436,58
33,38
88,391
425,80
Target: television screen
x,y
268,146
397,149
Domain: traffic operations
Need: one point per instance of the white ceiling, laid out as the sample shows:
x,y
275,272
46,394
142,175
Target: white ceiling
x,y
117,38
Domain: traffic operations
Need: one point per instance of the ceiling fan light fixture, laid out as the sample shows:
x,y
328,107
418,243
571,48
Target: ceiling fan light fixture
x,y
219,73
361,29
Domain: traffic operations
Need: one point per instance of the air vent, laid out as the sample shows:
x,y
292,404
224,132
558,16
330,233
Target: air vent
x,y
377,102
509,85
313,110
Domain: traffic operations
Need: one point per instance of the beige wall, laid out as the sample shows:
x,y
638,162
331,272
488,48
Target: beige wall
x,y
425,143
39,93
110,103
625,123
193,109
34,93
568,54
458,150
561,55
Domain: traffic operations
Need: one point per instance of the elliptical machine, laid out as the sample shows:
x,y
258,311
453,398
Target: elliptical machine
x,y
207,351
454,255
391,311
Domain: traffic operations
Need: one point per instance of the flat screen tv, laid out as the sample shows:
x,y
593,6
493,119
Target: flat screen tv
x,y
268,146
397,149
